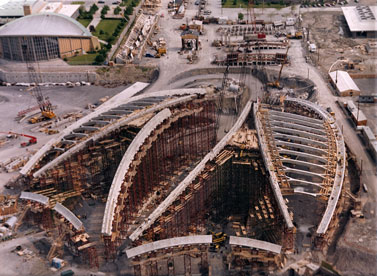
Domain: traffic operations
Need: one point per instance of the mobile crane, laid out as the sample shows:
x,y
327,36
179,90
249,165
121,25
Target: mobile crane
x,y
276,84
32,140
44,104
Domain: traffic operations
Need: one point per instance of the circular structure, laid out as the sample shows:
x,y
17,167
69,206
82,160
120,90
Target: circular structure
x,y
44,37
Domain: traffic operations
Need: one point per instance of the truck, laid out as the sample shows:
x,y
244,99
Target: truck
x,y
67,273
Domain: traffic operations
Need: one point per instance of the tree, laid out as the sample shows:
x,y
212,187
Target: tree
x,y
240,16
234,2
117,10
92,29
129,10
99,59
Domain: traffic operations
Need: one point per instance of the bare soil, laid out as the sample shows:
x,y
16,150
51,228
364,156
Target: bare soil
x,y
124,75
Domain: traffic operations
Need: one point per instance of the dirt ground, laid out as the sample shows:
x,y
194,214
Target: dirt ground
x,y
328,30
124,75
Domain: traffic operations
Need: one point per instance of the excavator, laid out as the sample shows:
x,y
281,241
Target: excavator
x,y
44,104
276,83
32,140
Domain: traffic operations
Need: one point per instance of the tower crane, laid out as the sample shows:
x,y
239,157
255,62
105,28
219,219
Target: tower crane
x,y
44,104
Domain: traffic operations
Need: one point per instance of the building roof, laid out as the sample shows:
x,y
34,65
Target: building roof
x,y
343,81
361,18
15,8
44,24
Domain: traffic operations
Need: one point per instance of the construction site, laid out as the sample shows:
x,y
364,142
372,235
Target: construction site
x,y
230,162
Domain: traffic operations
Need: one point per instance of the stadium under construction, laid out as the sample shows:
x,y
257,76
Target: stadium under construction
x,y
172,186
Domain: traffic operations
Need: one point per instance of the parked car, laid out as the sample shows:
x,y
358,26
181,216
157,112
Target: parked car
x,y
197,2
207,12
101,2
116,3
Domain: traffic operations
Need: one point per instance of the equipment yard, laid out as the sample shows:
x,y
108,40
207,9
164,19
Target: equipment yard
x,y
215,141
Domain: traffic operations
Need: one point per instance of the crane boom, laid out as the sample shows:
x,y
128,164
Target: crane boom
x,y
34,77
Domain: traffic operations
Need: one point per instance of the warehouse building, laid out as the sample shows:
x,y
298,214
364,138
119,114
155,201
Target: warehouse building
x,y
361,20
13,9
44,37
344,84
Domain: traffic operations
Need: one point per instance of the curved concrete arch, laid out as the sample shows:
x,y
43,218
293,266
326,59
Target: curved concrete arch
x,y
191,176
120,98
109,128
268,164
299,139
167,243
124,165
318,130
299,133
257,244
125,97
340,167
35,197
68,215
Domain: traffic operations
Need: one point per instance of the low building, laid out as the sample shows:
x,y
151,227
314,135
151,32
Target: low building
x,y
344,84
361,20
372,47
13,9
356,114
44,37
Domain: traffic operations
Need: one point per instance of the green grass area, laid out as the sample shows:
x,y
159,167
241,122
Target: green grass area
x,y
243,4
78,3
84,22
87,59
128,3
108,27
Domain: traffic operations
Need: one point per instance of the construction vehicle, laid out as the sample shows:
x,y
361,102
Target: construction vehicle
x,y
294,35
218,239
32,140
34,76
276,83
160,52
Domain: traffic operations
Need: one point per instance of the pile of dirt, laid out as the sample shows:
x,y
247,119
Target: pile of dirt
x,y
123,75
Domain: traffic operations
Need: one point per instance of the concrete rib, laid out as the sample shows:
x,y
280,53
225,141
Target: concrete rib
x,y
295,116
302,172
296,181
303,154
124,165
299,133
318,130
297,121
299,139
302,163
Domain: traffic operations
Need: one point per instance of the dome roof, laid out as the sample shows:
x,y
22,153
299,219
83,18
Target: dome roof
x,y
44,24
